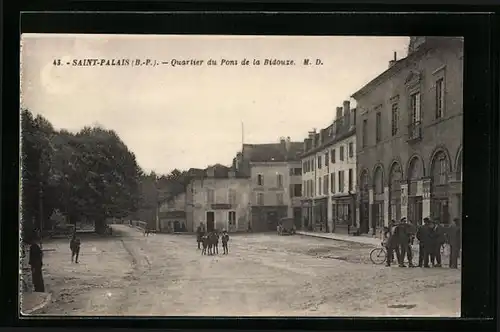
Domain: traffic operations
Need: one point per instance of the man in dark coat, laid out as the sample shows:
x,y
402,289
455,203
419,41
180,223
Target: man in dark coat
x,y
439,239
391,244
454,239
424,237
406,233
36,264
74,245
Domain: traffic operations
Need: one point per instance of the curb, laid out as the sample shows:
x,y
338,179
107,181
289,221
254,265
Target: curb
x,y
46,301
329,238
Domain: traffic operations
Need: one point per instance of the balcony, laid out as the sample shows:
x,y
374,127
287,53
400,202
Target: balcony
x,y
415,131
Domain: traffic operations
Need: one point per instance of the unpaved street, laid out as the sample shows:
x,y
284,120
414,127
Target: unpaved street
x,y
263,275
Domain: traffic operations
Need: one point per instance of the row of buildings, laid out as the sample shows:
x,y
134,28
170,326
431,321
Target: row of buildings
x,y
398,153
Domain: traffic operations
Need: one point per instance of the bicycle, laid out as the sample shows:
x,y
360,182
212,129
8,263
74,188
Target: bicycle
x,y
378,256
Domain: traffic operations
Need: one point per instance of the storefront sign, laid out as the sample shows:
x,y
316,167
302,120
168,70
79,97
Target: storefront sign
x,y
221,206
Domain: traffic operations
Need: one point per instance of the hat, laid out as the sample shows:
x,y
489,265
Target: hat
x,y
426,220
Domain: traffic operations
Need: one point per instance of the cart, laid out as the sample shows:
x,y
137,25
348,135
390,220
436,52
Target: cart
x,y
286,226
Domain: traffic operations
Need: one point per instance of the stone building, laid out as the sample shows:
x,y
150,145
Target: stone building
x,y
172,215
220,200
409,135
268,167
329,174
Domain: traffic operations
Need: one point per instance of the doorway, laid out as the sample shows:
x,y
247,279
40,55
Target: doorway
x,y
272,220
297,213
210,221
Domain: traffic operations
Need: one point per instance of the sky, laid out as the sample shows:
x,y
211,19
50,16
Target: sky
x,y
191,116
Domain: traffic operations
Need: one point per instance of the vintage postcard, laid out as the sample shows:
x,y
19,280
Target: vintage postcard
x,y
195,175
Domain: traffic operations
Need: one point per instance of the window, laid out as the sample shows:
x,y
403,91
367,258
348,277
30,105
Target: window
x,y
290,170
313,191
439,98
365,133
304,169
332,183
304,185
326,159
232,196
297,190
231,216
297,171
351,149
279,180
415,108
313,165
260,179
325,185
210,196
341,153
378,127
260,199
350,179
279,199
333,156
319,162
394,119
319,187
341,181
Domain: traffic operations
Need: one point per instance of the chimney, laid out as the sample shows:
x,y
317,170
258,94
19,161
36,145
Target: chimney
x,y
393,61
338,114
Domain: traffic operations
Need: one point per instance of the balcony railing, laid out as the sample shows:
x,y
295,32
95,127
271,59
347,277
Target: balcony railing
x,y
415,131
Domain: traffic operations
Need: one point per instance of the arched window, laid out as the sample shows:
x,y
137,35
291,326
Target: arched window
x,y
378,181
440,169
459,167
395,179
415,169
364,184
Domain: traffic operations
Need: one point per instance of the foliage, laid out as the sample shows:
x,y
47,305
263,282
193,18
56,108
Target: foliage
x,y
90,174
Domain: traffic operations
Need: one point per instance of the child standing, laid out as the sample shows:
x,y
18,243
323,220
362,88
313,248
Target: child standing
x,y
225,240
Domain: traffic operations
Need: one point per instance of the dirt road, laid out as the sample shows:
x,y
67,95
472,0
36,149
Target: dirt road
x,y
263,275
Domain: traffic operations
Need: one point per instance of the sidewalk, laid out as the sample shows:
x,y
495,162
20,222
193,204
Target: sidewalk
x,y
32,302
374,241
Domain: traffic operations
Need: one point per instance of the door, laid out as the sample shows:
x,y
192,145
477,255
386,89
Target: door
x,y
415,210
364,217
272,220
210,221
297,212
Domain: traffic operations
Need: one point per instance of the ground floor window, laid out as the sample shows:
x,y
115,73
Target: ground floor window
x,y
395,210
378,215
342,213
415,210
439,210
231,218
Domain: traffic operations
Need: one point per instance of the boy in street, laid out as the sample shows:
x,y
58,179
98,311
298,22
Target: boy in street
x,y
225,240
391,244
439,239
74,245
454,240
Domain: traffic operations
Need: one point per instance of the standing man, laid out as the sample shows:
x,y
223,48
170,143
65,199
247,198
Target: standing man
x,y
424,237
406,234
439,239
391,244
36,263
199,236
74,245
454,239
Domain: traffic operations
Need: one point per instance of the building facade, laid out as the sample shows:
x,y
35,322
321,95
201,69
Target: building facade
x,y
221,203
409,135
270,168
172,215
329,174
295,192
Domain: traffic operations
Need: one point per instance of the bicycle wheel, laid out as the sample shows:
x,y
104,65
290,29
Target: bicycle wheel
x,y
378,256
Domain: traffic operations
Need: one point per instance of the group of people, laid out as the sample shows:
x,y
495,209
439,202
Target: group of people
x,y
209,241
431,236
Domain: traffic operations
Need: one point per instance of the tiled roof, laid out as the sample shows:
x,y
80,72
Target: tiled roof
x,y
272,152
